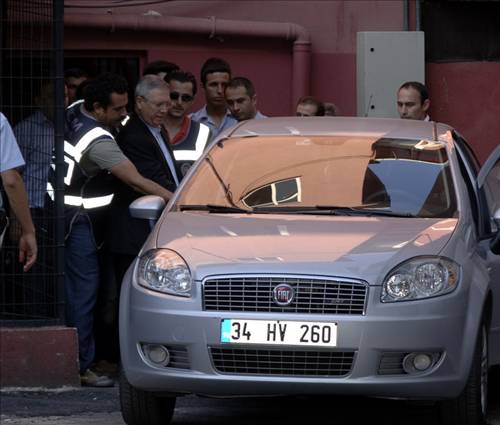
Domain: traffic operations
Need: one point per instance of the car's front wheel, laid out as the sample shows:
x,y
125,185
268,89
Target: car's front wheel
x,y
470,407
143,407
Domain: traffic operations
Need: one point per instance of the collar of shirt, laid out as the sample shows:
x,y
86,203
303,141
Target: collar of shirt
x,y
156,131
183,131
203,117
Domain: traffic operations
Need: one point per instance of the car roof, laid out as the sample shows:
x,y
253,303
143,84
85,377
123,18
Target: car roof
x,y
327,126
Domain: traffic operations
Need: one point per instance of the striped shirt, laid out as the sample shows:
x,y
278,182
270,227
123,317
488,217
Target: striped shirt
x,y
35,136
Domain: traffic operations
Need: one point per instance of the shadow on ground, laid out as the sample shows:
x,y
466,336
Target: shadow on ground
x,y
194,410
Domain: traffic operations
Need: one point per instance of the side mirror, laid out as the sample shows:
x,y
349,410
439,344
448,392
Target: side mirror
x,y
147,207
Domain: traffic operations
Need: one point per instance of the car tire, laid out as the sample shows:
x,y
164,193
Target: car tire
x,y
142,407
469,408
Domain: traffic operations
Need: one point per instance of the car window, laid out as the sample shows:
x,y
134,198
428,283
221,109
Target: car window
x,y
467,152
488,198
356,171
282,192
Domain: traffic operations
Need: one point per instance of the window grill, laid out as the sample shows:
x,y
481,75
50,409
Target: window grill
x,y
32,99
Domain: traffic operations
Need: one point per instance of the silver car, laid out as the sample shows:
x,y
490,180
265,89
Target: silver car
x,y
319,256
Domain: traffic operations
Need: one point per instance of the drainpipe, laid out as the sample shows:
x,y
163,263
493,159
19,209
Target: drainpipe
x,y
406,15
418,16
213,27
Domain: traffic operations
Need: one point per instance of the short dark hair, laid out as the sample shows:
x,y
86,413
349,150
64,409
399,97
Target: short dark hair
x,y
100,90
422,90
242,82
75,73
212,65
331,109
155,67
80,90
182,77
309,100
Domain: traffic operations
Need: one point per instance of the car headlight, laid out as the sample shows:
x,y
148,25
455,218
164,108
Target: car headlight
x,y
419,278
164,270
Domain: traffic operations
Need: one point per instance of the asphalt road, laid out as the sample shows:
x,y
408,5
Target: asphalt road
x,y
101,407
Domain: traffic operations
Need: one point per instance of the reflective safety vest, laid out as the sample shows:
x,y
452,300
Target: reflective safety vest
x,y
80,189
192,146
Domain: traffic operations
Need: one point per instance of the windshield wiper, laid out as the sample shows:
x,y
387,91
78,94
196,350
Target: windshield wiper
x,y
318,209
331,210
214,209
360,210
304,209
368,212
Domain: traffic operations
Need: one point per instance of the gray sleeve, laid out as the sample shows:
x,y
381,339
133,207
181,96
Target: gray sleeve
x,y
105,154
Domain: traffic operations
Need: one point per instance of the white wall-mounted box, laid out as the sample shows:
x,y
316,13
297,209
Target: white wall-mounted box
x,y
384,61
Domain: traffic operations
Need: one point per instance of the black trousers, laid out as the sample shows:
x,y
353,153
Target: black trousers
x,y
113,269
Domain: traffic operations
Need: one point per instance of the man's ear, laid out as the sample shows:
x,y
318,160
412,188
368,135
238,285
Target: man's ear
x,y
138,102
426,105
254,99
97,107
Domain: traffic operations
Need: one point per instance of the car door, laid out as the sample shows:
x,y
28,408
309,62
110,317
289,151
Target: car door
x,y
488,181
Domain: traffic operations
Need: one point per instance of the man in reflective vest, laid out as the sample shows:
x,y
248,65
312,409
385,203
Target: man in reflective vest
x,y
187,138
92,156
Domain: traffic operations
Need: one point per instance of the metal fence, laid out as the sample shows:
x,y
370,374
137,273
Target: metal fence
x,y
32,98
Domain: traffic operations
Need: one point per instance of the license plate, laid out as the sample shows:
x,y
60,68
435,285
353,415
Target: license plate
x,y
278,332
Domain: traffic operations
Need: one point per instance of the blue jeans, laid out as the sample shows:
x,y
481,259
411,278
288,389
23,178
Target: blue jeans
x,y
81,281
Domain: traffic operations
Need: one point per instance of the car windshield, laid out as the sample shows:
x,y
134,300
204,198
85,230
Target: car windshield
x,y
299,174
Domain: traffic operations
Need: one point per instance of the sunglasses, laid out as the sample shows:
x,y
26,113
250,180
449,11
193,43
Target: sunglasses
x,y
184,97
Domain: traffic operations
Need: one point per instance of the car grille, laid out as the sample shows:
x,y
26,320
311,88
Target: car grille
x,y
312,295
245,361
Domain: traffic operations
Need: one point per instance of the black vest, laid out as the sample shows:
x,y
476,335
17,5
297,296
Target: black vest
x,y
81,189
192,146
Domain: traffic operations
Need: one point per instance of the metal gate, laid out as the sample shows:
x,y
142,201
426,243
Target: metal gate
x,y
32,99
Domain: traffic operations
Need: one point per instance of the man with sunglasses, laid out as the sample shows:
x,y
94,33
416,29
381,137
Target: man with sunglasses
x,y
188,138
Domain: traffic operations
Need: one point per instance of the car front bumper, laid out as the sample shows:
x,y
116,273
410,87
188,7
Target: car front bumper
x,y
438,325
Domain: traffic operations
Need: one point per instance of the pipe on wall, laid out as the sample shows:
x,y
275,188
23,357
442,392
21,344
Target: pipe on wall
x,y
418,16
406,15
213,27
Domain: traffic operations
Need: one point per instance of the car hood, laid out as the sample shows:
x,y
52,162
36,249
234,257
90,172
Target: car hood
x,y
354,247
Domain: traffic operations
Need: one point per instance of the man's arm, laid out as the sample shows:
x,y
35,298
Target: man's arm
x,y
14,188
128,174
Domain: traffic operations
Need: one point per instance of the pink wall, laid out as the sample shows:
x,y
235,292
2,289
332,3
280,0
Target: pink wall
x,y
461,93
465,95
267,63
331,24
